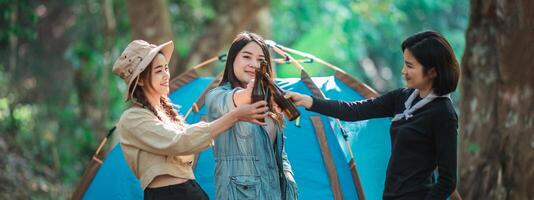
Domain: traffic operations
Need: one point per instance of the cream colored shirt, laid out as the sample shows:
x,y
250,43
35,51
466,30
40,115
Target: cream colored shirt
x,y
152,147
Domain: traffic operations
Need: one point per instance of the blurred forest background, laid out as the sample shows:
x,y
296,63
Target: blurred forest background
x,y
58,95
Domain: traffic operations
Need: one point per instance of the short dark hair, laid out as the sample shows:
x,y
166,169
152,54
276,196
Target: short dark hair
x,y
239,42
432,50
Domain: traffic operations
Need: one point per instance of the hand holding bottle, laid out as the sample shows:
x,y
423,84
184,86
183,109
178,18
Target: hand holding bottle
x,y
243,96
286,105
299,99
254,113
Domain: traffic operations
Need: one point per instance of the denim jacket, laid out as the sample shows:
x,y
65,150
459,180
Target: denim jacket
x,y
247,164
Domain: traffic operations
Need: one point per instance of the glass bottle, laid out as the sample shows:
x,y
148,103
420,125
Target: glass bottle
x,y
288,107
259,91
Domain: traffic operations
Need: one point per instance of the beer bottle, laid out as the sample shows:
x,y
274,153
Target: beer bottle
x,y
268,93
259,89
287,106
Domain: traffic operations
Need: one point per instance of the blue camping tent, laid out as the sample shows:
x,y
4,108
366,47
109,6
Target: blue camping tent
x,y
369,141
114,179
319,152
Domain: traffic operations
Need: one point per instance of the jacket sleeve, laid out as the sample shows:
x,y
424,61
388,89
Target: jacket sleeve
x,y
145,131
382,106
219,101
445,128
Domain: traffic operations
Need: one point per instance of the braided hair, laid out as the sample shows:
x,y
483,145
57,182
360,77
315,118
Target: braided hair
x,y
140,99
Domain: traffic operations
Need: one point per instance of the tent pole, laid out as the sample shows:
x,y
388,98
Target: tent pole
x,y
352,163
304,54
200,100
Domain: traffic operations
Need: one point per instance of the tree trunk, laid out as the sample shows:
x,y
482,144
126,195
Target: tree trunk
x,y
497,140
92,92
150,21
232,17
109,34
262,25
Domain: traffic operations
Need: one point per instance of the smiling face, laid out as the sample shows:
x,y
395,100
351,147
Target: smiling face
x,y
413,73
158,78
246,61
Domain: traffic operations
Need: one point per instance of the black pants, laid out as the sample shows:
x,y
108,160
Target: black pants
x,y
186,190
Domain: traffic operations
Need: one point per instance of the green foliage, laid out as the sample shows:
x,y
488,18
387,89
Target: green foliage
x,y
54,140
51,135
17,18
189,19
346,33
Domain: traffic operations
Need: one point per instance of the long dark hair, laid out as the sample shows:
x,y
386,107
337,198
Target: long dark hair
x,y
433,51
140,99
241,40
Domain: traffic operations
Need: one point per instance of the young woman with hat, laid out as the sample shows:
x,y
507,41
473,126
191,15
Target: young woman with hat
x,y
158,146
424,123
250,160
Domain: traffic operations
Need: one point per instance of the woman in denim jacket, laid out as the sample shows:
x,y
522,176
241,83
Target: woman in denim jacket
x,y
250,160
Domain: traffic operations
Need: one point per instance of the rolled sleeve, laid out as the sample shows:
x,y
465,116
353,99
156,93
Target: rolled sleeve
x,y
220,101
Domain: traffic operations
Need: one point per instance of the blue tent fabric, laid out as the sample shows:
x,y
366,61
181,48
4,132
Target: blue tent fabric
x,y
368,139
114,179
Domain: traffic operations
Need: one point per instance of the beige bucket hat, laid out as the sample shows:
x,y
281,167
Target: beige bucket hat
x,y
135,59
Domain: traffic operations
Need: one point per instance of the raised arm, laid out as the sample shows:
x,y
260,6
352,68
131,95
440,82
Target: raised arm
x,y
149,133
383,106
